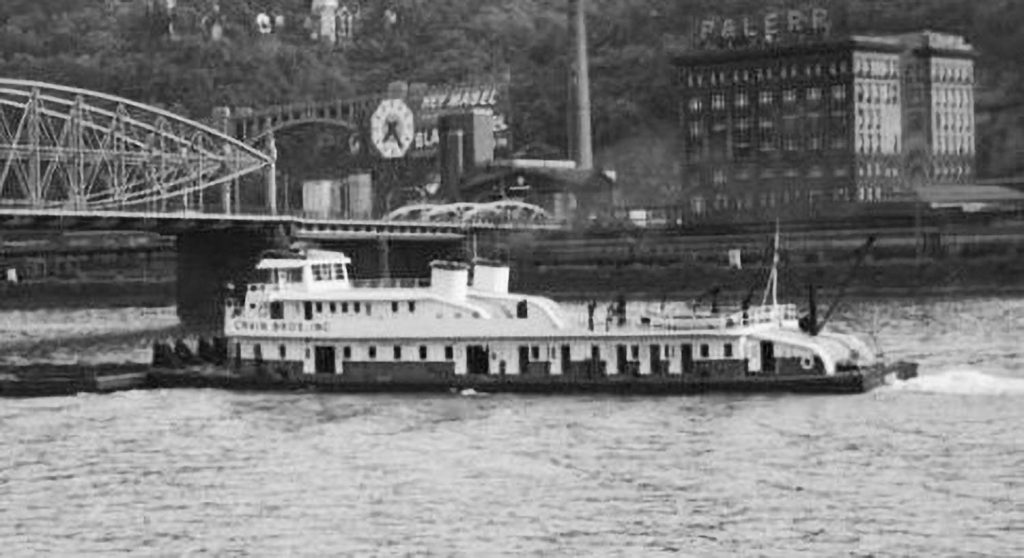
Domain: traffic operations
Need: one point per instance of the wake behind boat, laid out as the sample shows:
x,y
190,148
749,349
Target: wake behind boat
x,y
308,324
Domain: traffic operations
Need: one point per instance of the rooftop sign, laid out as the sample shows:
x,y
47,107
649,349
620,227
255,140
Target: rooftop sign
x,y
771,28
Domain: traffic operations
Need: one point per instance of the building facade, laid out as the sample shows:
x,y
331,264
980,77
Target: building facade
x,y
800,128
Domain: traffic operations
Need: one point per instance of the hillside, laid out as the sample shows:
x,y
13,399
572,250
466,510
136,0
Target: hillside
x,y
135,49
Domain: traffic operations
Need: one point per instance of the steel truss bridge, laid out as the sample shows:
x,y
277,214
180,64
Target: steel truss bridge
x,y
78,150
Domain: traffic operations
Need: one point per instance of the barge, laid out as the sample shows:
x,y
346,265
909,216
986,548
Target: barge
x,y
308,325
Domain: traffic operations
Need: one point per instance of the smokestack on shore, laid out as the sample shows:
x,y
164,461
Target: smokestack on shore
x,y
580,146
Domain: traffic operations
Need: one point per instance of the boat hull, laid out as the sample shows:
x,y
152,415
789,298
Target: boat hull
x,y
853,382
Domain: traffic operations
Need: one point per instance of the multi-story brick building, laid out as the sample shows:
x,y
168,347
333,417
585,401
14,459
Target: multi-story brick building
x,y
795,129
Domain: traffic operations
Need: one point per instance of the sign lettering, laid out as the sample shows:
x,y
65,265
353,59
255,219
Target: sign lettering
x,y
280,327
773,27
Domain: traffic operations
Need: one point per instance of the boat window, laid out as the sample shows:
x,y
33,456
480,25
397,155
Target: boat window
x,y
398,352
320,272
344,308
449,353
394,307
334,308
635,351
276,310
319,308
257,352
282,351
372,351
423,352
705,351
522,309
412,306
339,271
346,352
356,308
728,350
535,352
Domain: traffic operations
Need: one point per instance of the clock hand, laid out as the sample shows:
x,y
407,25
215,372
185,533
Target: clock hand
x,y
392,133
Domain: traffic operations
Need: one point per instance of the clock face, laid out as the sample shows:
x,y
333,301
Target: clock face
x,y
392,128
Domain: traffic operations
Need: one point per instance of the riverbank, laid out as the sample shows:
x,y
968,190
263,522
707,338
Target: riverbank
x,y
935,278
71,294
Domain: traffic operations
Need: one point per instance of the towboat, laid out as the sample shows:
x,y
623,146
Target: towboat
x,y
308,324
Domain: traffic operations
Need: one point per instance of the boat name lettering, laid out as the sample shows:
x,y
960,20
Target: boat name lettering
x,y
283,327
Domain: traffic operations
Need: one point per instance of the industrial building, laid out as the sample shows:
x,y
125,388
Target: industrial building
x,y
803,127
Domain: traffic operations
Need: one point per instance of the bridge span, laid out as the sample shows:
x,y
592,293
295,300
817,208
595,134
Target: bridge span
x,y
73,159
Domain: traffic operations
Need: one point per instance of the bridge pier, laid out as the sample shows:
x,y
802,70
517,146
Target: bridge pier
x,y
207,261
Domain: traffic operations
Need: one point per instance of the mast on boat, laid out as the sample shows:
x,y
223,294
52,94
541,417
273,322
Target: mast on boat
x,y
772,288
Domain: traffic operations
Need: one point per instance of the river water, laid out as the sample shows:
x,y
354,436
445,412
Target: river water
x,y
934,467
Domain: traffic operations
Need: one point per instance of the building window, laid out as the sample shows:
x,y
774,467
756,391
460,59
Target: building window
x,y
813,94
839,93
355,307
705,350
371,351
789,96
718,177
718,101
741,100
334,308
766,98
695,130
346,352
319,308
449,353
344,308
535,352
257,352
282,351
276,310
412,306
394,307
695,104
727,350
423,352
767,135
398,352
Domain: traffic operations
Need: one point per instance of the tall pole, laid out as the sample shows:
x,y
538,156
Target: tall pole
x,y
580,135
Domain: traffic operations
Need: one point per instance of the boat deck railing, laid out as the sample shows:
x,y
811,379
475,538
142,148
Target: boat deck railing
x,y
724,320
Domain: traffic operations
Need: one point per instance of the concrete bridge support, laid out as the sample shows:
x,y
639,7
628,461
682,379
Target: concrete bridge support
x,y
207,262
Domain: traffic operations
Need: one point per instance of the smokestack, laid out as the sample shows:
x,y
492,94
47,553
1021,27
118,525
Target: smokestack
x,y
580,147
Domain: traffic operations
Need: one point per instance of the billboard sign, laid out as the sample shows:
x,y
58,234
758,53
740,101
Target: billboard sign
x,y
436,101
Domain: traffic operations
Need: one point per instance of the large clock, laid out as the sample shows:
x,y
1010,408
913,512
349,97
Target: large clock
x,y
392,128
